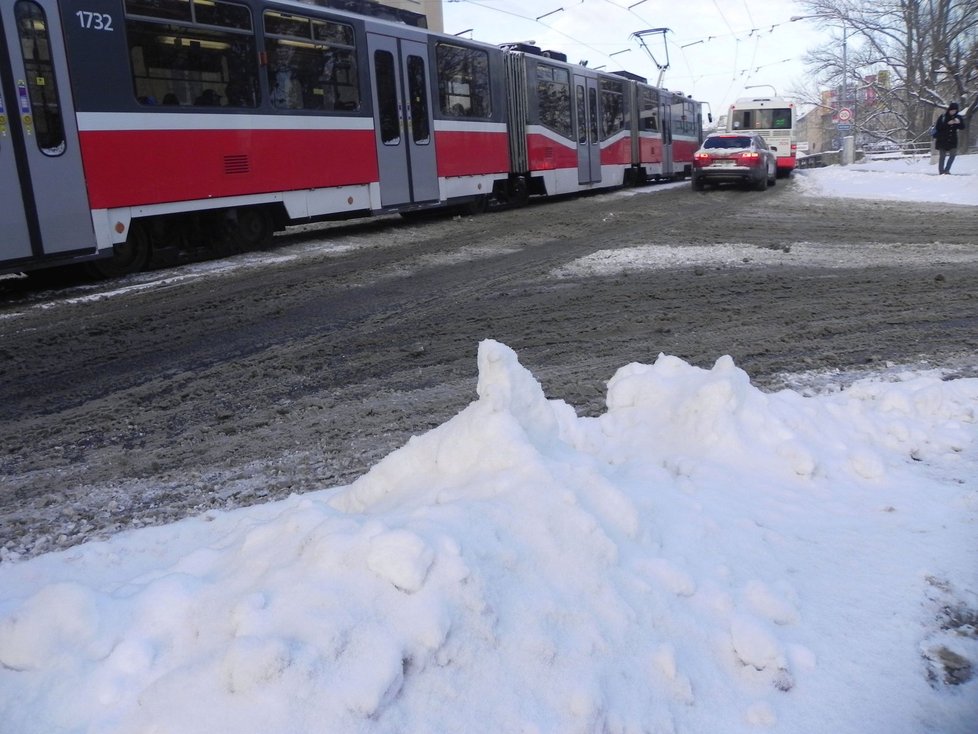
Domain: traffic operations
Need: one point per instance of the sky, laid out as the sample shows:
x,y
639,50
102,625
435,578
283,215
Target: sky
x,y
716,48
703,556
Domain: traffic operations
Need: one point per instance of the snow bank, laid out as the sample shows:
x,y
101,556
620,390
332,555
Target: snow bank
x,y
912,178
701,557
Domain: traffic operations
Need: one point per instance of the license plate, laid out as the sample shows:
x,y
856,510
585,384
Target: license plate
x,y
724,163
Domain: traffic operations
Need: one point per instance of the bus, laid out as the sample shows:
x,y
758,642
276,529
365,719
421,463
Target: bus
x,y
773,118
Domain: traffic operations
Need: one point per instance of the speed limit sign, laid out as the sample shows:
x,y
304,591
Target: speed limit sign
x,y
845,114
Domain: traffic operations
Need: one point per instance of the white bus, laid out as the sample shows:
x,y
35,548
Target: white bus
x,y
773,118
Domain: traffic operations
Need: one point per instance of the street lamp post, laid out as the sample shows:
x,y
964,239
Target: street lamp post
x,y
848,142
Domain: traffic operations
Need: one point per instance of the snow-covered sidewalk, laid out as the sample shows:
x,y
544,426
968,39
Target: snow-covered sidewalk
x,y
911,178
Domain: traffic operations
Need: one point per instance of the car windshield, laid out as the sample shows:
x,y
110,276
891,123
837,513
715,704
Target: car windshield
x,y
728,141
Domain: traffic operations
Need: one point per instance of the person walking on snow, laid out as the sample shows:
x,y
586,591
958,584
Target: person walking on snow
x,y
946,137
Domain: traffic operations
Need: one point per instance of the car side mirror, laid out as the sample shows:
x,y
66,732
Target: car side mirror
x,y
774,147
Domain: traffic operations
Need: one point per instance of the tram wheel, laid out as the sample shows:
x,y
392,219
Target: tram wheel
x,y
249,228
478,205
128,257
519,192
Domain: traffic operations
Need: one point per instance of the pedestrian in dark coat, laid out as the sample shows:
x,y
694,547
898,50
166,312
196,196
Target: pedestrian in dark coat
x,y
946,137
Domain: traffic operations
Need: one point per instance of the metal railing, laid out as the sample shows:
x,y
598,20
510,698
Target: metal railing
x,y
833,157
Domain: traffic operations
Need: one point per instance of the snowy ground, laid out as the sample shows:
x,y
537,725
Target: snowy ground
x,y
910,178
701,557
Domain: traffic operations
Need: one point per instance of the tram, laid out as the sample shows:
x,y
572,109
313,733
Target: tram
x,y
130,128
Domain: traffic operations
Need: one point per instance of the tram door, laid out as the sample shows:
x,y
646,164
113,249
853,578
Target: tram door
x,y
588,142
405,131
668,167
44,207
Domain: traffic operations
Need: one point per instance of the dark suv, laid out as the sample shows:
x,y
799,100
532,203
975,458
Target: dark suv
x,y
740,157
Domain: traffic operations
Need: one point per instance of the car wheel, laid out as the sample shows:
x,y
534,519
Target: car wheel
x,y
698,184
772,179
761,183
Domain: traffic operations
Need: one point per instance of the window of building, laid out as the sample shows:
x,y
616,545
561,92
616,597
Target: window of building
x,y
312,63
463,81
554,99
192,53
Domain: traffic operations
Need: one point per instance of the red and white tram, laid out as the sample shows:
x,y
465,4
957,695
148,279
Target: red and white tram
x,y
129,127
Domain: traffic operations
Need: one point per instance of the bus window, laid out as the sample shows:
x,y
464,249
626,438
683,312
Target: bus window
x,y
773,118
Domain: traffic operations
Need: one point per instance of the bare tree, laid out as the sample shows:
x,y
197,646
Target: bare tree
x,y
906,59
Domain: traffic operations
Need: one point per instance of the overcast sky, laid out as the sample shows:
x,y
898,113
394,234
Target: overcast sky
x,y
716,48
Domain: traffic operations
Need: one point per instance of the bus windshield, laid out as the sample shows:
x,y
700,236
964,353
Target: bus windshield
x,y
768,118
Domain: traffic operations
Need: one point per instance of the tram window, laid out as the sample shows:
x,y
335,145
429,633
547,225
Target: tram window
x,y
209,59
581,116
613,107
683,117
224,15
166,9
390,121
205,12
312,64
463,81
418,95
592,103
42,83
649,111
553,96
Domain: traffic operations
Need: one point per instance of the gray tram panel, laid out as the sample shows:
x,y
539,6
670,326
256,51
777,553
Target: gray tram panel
x,y
668,165
58,180
421,159
15,241
407,170
588,146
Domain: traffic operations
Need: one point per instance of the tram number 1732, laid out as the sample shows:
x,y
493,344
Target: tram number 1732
x,y
142,127
95,21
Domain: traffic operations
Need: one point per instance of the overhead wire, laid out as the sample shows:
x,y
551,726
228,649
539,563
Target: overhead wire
x,y
539,22
736,74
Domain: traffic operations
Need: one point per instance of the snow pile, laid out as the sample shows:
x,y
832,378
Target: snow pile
x,y
701,557
913,178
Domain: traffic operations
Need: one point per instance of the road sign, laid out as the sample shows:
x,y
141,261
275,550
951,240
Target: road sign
x,y
844,128
845,115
